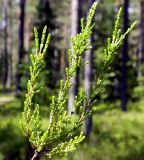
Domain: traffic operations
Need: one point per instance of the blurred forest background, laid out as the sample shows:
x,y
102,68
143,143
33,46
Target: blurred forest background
x,y
116,132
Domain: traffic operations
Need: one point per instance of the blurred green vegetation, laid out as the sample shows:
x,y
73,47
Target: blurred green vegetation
x,y
116,135
13,144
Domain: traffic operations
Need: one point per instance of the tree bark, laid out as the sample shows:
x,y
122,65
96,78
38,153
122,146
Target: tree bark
x,y
5,56
21,43
65,45
124,58
74,30
88,79
141,45
10,48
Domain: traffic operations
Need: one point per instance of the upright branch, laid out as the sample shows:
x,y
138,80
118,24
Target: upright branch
x,y
64,131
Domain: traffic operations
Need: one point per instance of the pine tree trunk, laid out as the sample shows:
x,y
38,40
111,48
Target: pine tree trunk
x,y
74,30
21,43
10,49
141,45
5,56
88,79
65,45
124,58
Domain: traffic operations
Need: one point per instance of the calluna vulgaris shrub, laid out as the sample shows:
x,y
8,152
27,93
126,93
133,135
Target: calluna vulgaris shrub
x,y
64,132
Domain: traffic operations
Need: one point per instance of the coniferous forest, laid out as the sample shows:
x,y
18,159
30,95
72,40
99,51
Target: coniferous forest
x,y
72,79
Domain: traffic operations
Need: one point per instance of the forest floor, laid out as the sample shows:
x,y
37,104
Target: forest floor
x,y
4,100
115,133
6,97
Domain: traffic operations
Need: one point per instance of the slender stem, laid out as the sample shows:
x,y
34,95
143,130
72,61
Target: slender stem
x,y
35,155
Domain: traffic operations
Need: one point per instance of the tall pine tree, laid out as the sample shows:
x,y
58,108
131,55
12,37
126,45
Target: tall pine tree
x,y
88,78
124,58
21,43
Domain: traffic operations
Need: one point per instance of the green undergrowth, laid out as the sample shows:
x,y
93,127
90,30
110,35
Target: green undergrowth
x,y
12,142
116,135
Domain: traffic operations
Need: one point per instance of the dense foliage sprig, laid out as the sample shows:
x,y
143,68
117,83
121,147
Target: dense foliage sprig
x,y
64,130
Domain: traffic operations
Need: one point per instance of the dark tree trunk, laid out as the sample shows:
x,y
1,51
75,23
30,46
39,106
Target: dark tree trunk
x,y
141,45
142,31
21,44
124,58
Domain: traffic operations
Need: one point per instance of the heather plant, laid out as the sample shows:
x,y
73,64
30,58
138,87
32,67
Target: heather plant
x,y
64,131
